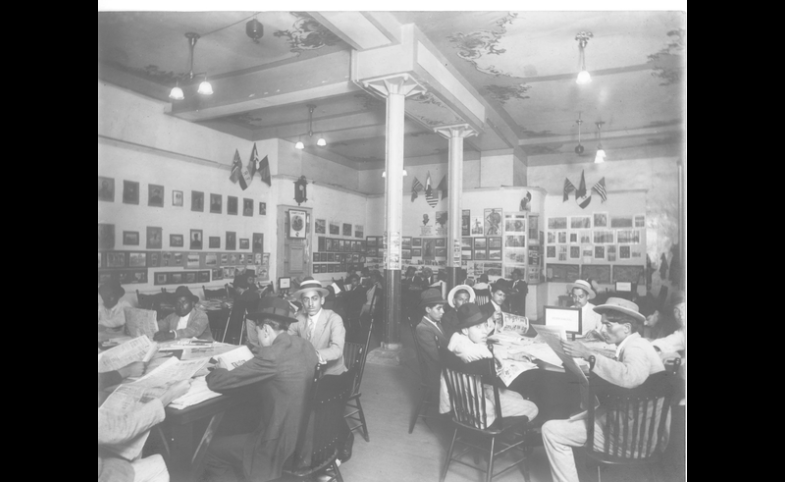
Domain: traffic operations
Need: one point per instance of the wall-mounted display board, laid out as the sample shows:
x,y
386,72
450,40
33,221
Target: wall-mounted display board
x,y
563,273
124,276
632,274
181,277
341,245
600,273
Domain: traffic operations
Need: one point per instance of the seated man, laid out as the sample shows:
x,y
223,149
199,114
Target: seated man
x,y
430,334
187,321
459,295
581,293
494,308
675,343
281,372
111,311
469,345
637,360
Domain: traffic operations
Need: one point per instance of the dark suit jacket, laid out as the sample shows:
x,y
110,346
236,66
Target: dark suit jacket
x,y
488,309
427,337
281,375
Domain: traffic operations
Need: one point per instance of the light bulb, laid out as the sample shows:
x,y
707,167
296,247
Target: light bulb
x,y
583,77
405,173
205,88
321,142
176,93
299,145
600,157
384,173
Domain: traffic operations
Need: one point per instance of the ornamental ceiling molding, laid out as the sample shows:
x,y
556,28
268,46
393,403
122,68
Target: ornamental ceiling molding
x,y
476,45
307,34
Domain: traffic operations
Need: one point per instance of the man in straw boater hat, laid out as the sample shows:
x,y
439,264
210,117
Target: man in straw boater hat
x,y
635,361
111,310
457,296
581,293
281,373
468,351
187,321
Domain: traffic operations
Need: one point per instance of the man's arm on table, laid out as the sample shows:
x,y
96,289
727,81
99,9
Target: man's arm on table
x,y
259,368
196,325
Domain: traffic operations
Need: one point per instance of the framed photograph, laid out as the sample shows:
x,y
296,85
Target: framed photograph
x,y
153,259
197,201
600,220
191,277
551,237
175,240
580,222
640,220
603,236
493,222
247,207
407,242
105,236
495,242
624,252
130,192
347,229
317,268
335,228
245,243
480,254
131,238
550,252
358,231
192,260
406,253
160,278
214,242
196,239
370,242
100,260
137,260
155,195
562,237
320,226
216,203
575,252
585,236
567,318
177,198
477,227
466,222
231,205
599,252
258,243
155,238
573,237
416,242
441,242
563,253
515,223
515,241
297,225
262,209
611,252
622,221
105,189
115,259
495,254
231,240
557,223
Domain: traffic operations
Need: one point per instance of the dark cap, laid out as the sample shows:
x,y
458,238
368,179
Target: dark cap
x,y
184,291
430,297
469,315
272,308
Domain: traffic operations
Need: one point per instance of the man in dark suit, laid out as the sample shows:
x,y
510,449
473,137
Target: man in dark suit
x,y
430,333
281,374
518,292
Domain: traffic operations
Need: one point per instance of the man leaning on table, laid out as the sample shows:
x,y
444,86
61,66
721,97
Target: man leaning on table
x,y
187,321
281,372
634,362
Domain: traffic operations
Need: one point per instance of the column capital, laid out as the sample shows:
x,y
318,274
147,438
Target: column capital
x,y
403,84
457,130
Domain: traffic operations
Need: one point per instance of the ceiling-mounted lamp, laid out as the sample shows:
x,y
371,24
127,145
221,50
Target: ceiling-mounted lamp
x,y
579,148
384,173
254,29
299,145
177,92
583,74
321,142
600,157
204,87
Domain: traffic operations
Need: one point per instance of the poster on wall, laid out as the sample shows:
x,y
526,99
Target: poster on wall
x,y
466,222
105,189
296,224
477,228
515,223
493,222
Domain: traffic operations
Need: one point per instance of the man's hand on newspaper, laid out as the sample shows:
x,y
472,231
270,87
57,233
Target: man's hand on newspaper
x,y
175,391
134,369
575,349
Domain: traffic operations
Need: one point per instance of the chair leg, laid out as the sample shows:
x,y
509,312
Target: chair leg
x,y
418,411
363,425
599,475
489,475
338,475
449,457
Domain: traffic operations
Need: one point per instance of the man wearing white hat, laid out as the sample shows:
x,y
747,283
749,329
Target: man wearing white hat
x,y
581,293
634,362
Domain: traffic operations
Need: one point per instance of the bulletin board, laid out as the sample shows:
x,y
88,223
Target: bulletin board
x,y
600,273
563,273
633,274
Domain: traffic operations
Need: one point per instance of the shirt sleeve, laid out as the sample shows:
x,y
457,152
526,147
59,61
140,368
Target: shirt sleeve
x,y
259,368
118,428
334,349
629,373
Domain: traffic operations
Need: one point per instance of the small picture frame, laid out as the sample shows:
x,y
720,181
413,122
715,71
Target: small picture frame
x,y
176,241
297,224
105,236
196,239
245,243
347,229
416,242
137,260
247,207
441,243
231,240
155,195
320,226
130,192
115,259
262,209
216,203
197,201
258,242
284,283
131,238
177,198
105,189
335,228
214,242
231,205
154,238
358,231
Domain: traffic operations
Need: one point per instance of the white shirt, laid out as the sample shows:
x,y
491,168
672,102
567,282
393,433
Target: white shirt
x,y
621,345
182,324
113,317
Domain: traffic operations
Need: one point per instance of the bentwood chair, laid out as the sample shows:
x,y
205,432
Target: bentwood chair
x,y
429,394
631,427
472,430
355,354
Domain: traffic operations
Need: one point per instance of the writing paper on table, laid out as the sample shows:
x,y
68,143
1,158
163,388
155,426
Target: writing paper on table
x,y
553,336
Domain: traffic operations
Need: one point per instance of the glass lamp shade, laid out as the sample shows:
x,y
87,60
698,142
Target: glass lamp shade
x,y
600,157
321,142
299,145
384,173
583,77
205,88
176,93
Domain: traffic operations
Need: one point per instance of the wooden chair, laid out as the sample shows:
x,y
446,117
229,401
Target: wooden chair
x,y
429,393
324,413
634,422
482,297
355,354
218,294
467,395
147,302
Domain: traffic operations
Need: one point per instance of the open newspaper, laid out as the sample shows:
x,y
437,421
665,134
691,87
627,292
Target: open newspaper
x,y
234,358
514,323
138,349
141,322
553,336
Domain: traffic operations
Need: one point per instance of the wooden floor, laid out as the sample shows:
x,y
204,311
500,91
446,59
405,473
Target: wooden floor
x,y
389,394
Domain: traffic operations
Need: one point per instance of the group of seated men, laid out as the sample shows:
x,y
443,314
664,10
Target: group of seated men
x,y
286,351
459,338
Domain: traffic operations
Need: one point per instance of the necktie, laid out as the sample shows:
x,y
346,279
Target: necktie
x,y
311,325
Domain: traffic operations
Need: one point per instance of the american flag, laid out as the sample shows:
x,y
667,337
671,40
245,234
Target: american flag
x,y
430,193
599,188
416,187
568,188
580,194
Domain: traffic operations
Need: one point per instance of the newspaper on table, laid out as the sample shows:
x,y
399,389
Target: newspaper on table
x,y
510,369
234,358
553,336
138,349
141,322
197,393
516,323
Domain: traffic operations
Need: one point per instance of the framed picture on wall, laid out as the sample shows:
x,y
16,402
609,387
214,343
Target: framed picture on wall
x,y
247,207
258,243
245,243
196,239
115,259
335,228
155,195
358,231
105,236
320,227
177,198
262,209
493,222
131,238
296,224
137,260
466,221
176,240
197,201
215,242
600,220
231,205
154,238
105,189
347,229
216,203
130,192
231,240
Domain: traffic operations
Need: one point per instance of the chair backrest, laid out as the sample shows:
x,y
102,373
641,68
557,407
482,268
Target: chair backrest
x,y
147,302
467,395
354,357
214,294
482,297
634,424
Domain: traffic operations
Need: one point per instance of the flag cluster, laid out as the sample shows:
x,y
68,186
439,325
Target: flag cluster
x,y
582,196
568,188
416,187
245,174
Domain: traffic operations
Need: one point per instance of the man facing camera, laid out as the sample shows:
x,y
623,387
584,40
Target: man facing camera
x,y
187,321
281,373
635,361
581,294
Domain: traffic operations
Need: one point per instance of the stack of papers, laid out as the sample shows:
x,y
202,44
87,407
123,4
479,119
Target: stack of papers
x,y
197,393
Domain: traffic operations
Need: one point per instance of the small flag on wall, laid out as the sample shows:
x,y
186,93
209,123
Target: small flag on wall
x,y
568,188
443,186
430,193
581,194
264,171
237,165
253,162
416,187
599,188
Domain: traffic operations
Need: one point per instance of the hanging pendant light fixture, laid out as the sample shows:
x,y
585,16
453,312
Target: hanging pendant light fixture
x,y
204,87
600,157
321,142
583,74
579,148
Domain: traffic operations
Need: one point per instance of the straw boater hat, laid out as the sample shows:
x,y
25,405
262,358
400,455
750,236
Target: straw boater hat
x,y
585,286
621,305
112,286
458,288
309,284
184,291
469,314
431,296
273,308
